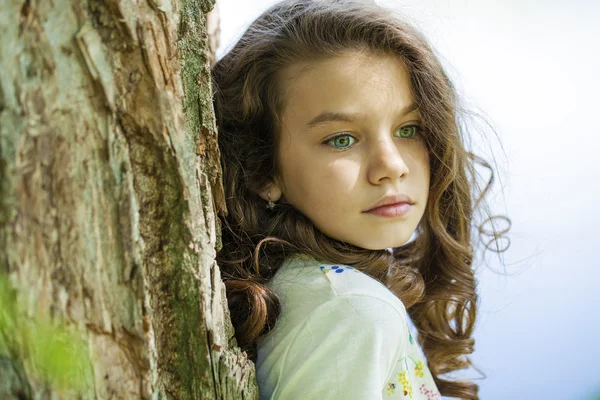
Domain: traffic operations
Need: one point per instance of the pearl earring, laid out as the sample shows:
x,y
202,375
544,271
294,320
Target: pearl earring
x,y
270,204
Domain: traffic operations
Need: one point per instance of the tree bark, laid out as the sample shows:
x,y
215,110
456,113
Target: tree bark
x,y
109,186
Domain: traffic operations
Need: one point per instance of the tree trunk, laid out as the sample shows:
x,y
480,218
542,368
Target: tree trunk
x,y
109,187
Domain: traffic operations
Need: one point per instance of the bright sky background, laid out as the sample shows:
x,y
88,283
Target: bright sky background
x,y
532,68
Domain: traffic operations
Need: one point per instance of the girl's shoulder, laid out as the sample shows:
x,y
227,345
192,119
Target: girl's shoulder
x,y
306,283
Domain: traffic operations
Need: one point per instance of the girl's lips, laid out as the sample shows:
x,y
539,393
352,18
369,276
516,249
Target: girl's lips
x,y
391,199
391,210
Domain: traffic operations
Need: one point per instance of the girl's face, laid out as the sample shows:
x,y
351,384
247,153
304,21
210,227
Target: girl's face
x,y
351,141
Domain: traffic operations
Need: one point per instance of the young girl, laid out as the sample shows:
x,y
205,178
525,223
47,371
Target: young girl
x,y
339,140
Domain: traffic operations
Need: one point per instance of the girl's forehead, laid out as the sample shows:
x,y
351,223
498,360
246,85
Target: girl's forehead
x,y
343,62
350,82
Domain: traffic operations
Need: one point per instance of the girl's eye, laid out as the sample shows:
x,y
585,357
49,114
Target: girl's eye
x,y
341,141
408,132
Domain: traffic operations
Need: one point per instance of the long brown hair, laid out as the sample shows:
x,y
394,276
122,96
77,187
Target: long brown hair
x,y
433,275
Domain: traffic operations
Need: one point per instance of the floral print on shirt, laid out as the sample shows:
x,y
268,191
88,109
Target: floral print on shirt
x,y
338,269
412,379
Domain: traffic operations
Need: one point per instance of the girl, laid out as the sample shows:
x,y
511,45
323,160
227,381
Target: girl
x,y
339,141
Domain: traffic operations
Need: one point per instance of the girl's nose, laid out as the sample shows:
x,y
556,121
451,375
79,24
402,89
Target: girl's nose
x,y
386,163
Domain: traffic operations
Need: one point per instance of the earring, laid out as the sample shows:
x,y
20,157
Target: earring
x,y
270,205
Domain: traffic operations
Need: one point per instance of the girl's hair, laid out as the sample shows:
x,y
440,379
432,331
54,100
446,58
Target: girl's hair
x,y
433,274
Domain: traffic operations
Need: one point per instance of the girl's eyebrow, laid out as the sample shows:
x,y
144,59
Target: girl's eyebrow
x,y
330,116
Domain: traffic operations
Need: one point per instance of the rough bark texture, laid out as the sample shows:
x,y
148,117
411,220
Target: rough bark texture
x,y
109,185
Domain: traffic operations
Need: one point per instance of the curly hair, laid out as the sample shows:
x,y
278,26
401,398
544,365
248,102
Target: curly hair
x,y
432,275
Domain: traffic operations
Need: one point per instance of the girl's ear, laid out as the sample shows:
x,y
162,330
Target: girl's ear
x,y
272,191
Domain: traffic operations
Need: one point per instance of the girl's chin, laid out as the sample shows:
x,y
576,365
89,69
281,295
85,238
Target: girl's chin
x,y
383,240
386,246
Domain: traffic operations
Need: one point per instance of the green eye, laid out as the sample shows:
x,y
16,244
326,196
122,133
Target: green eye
x,y
342,141
407,132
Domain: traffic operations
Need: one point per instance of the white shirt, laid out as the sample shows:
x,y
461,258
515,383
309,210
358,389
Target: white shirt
x,y
341,335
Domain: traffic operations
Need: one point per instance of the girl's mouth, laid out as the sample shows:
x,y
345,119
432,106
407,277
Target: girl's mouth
x,y
391,210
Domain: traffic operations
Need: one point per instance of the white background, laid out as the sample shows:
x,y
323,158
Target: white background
x,y
532,68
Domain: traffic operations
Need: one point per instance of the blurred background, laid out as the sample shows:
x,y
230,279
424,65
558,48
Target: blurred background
x,y
531,69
